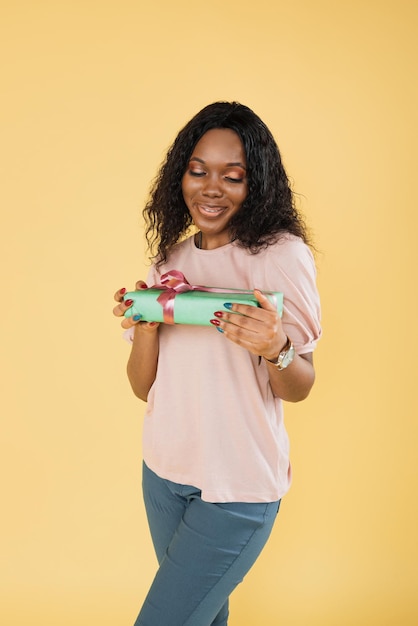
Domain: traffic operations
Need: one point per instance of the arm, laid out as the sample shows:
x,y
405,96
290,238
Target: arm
x,y
295,382
142,362
260,331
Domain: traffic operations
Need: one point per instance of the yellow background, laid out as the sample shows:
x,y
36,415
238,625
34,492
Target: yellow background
x,y
92,94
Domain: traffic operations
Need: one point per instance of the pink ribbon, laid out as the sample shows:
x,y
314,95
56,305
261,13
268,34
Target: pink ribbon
x,y
173,283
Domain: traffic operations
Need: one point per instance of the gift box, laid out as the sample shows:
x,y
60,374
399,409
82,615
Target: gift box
x,y
175,301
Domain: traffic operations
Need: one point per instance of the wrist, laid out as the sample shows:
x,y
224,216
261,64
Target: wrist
x,y
272,356
285,356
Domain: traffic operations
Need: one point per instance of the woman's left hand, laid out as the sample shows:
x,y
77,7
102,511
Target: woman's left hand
x,y
258,329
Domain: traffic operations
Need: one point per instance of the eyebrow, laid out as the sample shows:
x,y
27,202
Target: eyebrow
x,y
238,163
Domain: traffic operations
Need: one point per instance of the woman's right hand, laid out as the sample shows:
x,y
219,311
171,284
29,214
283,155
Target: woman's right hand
x,y
122,306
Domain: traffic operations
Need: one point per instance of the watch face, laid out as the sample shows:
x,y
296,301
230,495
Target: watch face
x,y
287,358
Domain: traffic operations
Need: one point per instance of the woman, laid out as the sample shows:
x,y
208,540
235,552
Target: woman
x,y
216,454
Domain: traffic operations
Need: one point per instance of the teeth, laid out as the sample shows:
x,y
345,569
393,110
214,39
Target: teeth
x,y
209,210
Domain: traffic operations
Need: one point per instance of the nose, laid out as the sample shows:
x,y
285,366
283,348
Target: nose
x,y
212,187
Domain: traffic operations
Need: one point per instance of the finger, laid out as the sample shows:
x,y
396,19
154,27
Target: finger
x,y
255,312
123,306
240,314
128,322
140,284
119,294
238,327
263,301
247,316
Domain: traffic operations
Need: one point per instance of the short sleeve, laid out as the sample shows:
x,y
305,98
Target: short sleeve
x,y
292,269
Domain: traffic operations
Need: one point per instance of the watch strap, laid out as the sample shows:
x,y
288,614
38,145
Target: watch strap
x,y
282,361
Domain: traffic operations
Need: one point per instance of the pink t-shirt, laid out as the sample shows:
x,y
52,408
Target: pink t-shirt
x,y
211,419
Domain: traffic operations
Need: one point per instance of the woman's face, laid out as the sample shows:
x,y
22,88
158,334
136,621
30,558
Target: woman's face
x,y
215,184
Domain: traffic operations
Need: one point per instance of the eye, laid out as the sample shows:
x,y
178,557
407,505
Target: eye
x,y
234,180
196,174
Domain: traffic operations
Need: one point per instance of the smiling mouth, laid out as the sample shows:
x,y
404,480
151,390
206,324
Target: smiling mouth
x,y
212,210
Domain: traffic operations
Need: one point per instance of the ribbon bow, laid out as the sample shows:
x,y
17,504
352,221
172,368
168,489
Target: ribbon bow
x,y
173,283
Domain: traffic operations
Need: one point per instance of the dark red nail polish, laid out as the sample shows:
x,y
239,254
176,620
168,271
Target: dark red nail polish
x,y
122,291
215,322
218,313
129,302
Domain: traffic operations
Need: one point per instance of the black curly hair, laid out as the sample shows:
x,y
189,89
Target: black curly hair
x,y
268,210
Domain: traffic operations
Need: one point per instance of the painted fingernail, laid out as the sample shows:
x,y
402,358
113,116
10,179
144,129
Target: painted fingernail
x,y
129,302
136,318
215,322
143,287
153,323
122,291
228,305
218,313
220,329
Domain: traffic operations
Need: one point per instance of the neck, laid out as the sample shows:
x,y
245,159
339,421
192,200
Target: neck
x,y
204,243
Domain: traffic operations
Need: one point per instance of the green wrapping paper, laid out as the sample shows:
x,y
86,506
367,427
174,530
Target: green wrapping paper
x,y
175,301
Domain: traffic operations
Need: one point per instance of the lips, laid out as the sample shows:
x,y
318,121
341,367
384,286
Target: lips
x,y
208,209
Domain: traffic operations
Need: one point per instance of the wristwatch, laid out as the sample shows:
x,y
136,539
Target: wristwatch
x,y
285,357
